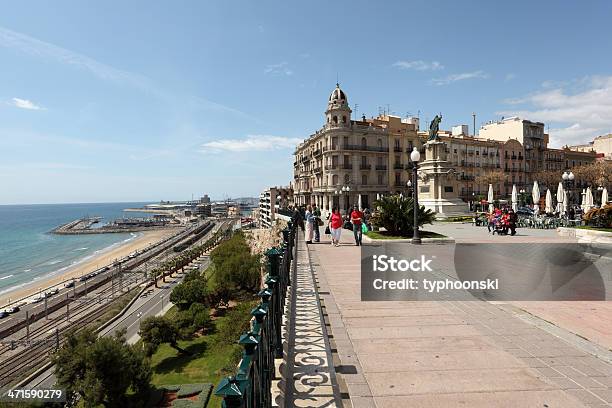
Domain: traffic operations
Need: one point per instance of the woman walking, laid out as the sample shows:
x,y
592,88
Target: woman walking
x,y
310,220
335,226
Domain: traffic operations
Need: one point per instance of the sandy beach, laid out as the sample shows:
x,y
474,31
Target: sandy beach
x,y
89,265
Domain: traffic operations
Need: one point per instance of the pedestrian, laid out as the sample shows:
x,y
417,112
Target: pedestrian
x,y
335,226
512,220
317,222
491,221
356,219
309,218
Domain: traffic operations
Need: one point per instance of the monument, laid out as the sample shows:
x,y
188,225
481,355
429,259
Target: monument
x,y
438,188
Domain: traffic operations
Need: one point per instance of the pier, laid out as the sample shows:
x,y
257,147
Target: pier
x,y
122,225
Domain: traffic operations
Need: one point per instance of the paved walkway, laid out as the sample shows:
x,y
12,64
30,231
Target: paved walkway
x,y
452,354
312,379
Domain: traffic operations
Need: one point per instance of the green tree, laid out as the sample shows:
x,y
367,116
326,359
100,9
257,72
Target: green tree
x,y
395,214
101,370
235,266
189,292
156,330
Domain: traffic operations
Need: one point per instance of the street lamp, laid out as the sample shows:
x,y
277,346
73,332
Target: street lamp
x,y
415,156
347,189
568,179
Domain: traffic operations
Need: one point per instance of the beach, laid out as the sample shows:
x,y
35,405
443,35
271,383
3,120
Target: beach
x,y
88,265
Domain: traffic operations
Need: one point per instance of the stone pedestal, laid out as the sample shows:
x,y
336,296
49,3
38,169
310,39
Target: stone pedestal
x,y
438,186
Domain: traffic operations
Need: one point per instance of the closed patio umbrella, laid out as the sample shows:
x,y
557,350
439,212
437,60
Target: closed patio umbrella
x,y
490,197
359,203
549,208
535,196
583,200
560,197
589,199
604,197
514,198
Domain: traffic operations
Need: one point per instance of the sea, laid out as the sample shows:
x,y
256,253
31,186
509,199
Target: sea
x,y
30,252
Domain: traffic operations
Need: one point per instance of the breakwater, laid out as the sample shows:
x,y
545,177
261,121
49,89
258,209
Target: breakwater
x,y
84,226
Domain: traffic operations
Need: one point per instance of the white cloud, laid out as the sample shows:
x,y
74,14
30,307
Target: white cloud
x,y
460,77
419,65
509,76
250,143
41,49
578,110
278,69
25,104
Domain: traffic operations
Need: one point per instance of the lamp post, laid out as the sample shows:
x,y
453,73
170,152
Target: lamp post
x,y
415,156
410,190
347,190
522,197
568,180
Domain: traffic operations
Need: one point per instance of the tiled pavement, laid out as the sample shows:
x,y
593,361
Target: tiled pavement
x,y
451,354
311,379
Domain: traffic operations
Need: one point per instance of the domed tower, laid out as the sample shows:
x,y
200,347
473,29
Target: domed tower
x,y
338,113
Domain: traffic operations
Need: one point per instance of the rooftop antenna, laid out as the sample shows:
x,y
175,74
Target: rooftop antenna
x,y
388,109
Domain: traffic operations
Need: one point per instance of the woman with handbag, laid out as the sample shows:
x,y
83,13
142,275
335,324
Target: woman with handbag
x,y
335,226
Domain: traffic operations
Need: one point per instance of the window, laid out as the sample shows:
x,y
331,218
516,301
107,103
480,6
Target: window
x,y
380,178
364,179
347,179
364,142
334,143
335,180
379,161
343,119
345,141
335,119
364,160
398,179
379,142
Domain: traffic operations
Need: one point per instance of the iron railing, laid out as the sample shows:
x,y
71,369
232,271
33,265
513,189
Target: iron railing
x,y
251,386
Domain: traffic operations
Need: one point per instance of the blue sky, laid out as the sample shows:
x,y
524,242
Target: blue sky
x,y
140,100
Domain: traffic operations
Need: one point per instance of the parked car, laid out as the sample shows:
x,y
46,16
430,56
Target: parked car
x,y
524,211
3,314
52,292
69,284
12,310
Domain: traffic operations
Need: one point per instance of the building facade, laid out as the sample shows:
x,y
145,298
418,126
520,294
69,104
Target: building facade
x,y
271,202
348,161
601,145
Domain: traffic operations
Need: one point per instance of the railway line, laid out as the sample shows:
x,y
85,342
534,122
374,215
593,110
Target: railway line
x,y
27,344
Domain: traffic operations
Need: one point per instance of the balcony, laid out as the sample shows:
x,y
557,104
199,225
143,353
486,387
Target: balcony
x,y
317,152
363,166
364,148
398,166
520,158
331,166
513,157
347,166
397,149
317,169
381,167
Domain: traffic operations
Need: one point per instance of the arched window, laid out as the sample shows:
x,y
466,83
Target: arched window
x,y
364,142
335,119
343,119
364,179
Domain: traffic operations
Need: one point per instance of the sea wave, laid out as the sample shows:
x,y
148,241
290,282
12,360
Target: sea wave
x,y
6,277
82,249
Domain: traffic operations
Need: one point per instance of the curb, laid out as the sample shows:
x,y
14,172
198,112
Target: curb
x,y
447,240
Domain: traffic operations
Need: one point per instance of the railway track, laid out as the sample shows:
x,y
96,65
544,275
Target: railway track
x,y
42,340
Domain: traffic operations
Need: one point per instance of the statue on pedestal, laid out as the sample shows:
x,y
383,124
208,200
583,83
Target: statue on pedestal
x,y
434,126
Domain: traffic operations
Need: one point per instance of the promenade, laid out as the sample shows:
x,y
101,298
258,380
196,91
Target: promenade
x,y
460,353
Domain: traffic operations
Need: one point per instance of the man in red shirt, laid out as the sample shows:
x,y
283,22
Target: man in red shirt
x,y
357,219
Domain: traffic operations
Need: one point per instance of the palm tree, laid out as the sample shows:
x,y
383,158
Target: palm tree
x,y
395,214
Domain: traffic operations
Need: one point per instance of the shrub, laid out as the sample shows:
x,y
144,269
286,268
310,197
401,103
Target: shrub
x,y
235,267
599,217
236,323
395,213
